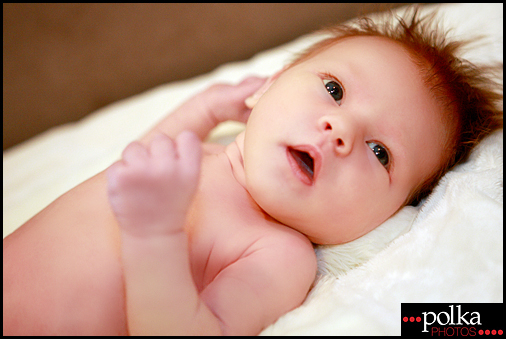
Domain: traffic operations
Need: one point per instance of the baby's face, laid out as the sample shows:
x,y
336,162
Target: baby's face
x,y
336,144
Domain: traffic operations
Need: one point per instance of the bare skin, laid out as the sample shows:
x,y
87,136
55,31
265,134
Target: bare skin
x,y
172,242
63,270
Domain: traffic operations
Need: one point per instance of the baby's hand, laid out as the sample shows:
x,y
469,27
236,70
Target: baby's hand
x,y
151,188
226,102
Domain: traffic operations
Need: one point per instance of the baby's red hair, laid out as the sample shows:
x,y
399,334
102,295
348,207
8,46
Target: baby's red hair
x,y
469,95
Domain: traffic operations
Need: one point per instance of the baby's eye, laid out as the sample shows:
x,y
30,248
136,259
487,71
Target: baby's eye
x,y
380,152
335,89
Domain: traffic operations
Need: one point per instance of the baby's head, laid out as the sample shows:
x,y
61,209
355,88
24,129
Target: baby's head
x,y
362,124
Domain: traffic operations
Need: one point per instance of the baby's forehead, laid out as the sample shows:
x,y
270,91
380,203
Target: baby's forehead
x,y
369,54
373,60
365,44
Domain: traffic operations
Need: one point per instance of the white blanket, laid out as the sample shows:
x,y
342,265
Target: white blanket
x,y
449,249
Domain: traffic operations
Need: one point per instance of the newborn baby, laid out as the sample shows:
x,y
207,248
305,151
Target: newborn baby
x,y
184,237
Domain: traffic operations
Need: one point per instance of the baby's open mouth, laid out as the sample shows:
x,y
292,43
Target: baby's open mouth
x,y
304,161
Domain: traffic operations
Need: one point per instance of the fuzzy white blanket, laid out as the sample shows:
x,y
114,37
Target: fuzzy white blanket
x,y
448,249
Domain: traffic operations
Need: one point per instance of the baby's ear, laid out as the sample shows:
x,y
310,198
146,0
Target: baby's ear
x,y
252,100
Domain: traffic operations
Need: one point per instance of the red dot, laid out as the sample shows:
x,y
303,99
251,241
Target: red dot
x,y
493,332
418,319
480,332
412,319
499,332
405,319
487,332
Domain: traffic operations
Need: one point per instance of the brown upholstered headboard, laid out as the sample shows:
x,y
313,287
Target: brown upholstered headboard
x,y
63,61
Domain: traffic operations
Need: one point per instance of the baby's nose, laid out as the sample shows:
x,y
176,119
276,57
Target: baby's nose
x,y
339,132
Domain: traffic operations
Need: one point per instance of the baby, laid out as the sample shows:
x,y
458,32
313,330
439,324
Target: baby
x,y
180,237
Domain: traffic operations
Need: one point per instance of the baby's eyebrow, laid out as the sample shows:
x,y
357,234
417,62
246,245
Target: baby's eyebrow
x,y
397,147
393,138
351,76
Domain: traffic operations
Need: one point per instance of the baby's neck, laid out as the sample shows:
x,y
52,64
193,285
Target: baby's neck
x,y
234,152
235,156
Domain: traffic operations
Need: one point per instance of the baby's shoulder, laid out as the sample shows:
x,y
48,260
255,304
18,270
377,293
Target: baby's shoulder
x,y
280,270
288,250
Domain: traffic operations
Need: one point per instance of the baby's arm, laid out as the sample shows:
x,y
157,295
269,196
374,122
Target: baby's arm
x,y
206,110
272,277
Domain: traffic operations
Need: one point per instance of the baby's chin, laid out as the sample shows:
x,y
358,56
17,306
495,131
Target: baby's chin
x,y
311,231
326,235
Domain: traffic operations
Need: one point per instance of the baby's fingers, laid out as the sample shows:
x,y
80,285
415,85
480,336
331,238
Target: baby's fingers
x,y
134,152
162,147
